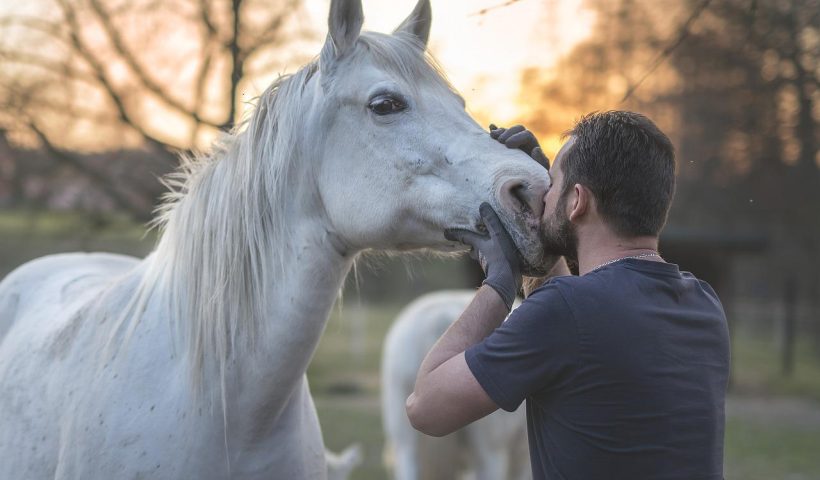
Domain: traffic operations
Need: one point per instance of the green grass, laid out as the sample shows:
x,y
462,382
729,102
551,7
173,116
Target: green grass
x,y
756,366
344,379
50,224
757,450
28,235
344,375
354,419
760,445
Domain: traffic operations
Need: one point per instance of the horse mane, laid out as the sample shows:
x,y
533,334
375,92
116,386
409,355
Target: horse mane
x,y
223,223
403,54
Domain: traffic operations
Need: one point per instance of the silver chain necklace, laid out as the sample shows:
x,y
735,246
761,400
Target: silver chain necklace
x,y
643,255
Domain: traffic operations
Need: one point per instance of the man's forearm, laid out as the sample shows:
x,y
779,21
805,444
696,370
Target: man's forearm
x,y
483,315
447,396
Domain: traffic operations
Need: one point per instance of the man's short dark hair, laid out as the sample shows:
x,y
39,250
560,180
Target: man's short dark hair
x,y
628,164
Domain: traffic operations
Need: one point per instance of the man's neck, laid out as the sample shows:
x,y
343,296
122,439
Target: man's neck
x,y
598,248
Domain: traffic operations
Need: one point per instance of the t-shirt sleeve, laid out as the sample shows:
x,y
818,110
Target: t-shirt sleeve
x,y
532,351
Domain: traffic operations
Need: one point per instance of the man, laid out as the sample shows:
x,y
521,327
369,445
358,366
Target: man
x,y
624,367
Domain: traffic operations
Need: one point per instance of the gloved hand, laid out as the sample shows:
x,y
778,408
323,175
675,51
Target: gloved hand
x,y
522,139
496,253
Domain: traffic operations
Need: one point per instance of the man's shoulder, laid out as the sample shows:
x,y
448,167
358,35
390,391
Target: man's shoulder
x,y
551,288
568,285
594,288
563,290
553,296
703,283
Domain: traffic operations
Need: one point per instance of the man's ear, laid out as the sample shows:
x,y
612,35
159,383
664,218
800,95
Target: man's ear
x,y
579,203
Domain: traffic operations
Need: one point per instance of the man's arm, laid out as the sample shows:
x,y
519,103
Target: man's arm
x,y
447,395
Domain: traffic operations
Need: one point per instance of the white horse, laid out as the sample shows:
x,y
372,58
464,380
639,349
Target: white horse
x,y
341,465
492,448
190,363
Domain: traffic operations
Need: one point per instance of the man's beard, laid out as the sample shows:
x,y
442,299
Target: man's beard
x,y
558,235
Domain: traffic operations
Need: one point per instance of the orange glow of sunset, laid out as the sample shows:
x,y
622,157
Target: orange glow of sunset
x,y
484,45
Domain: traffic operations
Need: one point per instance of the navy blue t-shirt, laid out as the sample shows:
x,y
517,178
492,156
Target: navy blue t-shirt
x,y
624,371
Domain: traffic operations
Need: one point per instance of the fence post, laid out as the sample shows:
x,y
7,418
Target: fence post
x,y
789,326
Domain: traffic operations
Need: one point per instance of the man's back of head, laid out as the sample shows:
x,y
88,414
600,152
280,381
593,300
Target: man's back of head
x,y
628,164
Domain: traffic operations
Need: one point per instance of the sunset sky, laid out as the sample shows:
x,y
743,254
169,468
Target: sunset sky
x,y
484,54
483,46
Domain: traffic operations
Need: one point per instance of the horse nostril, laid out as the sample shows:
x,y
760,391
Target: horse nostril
x,y
519,196
514,195
519,193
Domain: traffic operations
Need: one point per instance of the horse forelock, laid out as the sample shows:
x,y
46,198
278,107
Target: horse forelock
x,y
404,55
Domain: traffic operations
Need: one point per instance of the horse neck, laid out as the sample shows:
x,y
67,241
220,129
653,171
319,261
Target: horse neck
x,y
249,286
301,301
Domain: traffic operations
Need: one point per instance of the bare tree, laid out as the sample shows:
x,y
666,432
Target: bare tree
x,y
162,75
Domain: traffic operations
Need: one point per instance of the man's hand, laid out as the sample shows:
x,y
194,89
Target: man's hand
x,y
522,139
496,253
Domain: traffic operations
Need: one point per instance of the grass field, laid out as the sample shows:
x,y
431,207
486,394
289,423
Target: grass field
x,y
773,425
771,434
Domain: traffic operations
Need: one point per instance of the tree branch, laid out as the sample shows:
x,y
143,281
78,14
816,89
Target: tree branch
x,y
143,77
667,52
236,61
33,23
485,11
101,181
205,16
35,60
204,69
99,73
56,108
270,31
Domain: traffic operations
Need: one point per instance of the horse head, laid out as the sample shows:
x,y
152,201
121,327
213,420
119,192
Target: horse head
x,y
401,159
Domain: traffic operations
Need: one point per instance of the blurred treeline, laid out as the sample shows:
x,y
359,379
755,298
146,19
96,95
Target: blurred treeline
x,y
736,84
99,97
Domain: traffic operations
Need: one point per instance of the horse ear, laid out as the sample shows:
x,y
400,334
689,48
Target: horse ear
x,y
344,26
419,21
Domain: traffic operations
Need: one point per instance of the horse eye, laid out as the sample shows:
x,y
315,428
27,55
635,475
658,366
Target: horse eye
x,y
386,105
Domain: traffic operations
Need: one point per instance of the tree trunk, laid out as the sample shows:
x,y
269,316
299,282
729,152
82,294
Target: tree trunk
x,y
789,326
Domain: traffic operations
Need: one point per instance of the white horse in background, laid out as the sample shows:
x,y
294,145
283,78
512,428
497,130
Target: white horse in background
x,y
190,363
492,448
341,465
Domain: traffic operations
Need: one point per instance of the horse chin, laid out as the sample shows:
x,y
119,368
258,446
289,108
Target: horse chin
x,y
539,266
535,262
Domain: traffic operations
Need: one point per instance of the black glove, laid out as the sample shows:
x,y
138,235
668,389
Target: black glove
x,y
522,139
496,253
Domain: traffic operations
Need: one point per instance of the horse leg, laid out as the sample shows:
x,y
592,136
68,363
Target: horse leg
x,y
405,455
492,465
402,439
489,454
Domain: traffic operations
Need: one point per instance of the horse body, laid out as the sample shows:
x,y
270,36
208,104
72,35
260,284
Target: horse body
x,y
191,362
136,415
493,447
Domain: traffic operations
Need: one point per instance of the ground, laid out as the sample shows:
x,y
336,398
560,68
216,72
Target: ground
x,y
770,433
773,422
